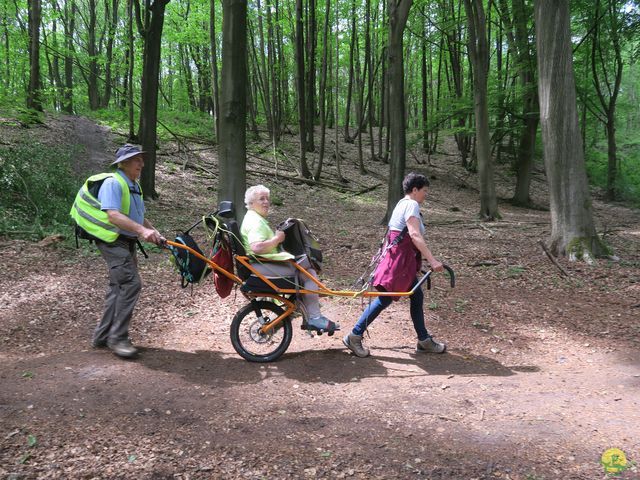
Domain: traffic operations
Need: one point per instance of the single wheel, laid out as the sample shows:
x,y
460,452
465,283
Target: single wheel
x,y
247,339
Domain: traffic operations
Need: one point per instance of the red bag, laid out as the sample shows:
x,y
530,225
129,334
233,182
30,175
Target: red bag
x,y
397,270
224,259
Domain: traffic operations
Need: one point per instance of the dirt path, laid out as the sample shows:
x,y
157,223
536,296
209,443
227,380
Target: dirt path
x,y
542,374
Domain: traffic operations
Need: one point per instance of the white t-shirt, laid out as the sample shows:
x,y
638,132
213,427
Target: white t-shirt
x,y
405,209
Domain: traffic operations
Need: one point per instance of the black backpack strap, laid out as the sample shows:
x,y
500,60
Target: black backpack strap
x,y
400,237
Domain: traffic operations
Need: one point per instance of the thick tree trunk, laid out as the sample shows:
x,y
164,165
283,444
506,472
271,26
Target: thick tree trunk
x,y
34,92
398,14
572,228
479,53
147,131
232,150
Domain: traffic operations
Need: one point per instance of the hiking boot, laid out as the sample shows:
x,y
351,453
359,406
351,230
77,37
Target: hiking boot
x,y
430,346
354,343
123,349
95,343
322,324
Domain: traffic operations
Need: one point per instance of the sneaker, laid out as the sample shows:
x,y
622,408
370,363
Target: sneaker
x,y
354,343
123,349
430,346
322,324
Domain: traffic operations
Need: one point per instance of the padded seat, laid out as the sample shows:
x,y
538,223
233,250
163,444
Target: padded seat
x,y
255,284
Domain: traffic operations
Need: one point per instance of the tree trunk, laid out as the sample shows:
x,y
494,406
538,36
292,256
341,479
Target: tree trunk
x,y
188,76
457,88
55,67
572,228
112,21
214,68
6,80
336,111
92,51
352,45
300,81
323,87
147,131
607,76
398,14
274,74
479,53
310,87
530,113
131,50
232,150
34,92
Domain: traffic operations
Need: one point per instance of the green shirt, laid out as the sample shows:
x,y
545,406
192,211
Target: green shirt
x,y
255,228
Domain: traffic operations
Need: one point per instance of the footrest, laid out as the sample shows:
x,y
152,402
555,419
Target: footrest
x,y
319,331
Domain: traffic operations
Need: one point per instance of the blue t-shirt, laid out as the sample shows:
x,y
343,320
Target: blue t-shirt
x,y
110,196
404,210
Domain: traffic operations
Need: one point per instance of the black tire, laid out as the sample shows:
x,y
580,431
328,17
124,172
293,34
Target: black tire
x,y
250,344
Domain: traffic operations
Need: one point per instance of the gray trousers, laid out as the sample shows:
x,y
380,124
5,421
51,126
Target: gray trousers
x,y
310,301
124,289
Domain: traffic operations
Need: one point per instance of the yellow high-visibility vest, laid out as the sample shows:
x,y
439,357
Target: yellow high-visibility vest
x,y
87,211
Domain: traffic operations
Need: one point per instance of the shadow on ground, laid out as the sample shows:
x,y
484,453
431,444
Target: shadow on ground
x,y
326,366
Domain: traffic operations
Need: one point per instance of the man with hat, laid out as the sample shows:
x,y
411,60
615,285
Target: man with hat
x,y
118,190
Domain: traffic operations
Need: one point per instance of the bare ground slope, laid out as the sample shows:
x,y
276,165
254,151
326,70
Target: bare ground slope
x,y
541,377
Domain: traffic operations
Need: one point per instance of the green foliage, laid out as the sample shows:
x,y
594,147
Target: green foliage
x,y
628,178
115,119
188,124
37,187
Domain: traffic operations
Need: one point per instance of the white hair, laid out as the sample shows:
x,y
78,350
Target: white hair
x,y
252,192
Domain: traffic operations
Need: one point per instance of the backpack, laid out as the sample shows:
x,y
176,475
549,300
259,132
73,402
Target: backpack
x,y
191,268
300,241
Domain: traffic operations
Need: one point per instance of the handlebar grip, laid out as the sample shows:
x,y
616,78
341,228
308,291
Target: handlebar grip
x,y
451,274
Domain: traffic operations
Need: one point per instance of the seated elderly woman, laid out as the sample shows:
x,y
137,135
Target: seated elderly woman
x,y
260,240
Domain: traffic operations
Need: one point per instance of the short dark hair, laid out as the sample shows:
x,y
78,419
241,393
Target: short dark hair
x,y
414,180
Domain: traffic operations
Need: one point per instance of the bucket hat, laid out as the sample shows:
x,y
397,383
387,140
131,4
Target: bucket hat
x,y
125,152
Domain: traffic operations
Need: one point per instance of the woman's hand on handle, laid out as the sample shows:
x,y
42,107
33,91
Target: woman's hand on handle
x,y
436,266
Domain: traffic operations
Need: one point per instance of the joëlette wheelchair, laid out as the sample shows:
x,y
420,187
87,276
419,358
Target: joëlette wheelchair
x,y
261,331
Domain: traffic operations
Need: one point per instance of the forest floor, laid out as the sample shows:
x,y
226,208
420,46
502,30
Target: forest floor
x,y
541,377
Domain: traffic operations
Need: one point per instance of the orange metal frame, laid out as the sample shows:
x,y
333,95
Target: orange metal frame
x,y
291,307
